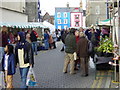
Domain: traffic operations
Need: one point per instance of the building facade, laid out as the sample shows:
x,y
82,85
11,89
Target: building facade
x,y
96,11
31,9
13,11
64,17
76,18
48,18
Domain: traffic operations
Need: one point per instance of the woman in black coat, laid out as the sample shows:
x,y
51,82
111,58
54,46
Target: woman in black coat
x,y
24,57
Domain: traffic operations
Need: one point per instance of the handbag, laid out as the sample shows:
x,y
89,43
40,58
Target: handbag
x,y
31,80
2,80
75,55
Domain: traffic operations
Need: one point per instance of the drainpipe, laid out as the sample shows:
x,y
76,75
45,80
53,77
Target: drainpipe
x,y
107,10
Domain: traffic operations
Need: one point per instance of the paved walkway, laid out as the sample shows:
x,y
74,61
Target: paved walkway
x,y
48,70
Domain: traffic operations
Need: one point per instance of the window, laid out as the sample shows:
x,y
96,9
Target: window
x,y
59,27
59,21
65,21
76,16
65,27
77,24
58,14
65,14
97,9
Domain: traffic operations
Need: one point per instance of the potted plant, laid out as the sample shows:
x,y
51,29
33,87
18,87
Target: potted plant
x,y
105,48
105,54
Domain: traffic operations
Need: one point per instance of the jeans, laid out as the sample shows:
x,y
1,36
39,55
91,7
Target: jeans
x,y
23,73
34,47
46,44
1,53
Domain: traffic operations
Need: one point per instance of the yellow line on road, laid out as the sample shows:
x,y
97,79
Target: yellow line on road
x,y
95,81
100,81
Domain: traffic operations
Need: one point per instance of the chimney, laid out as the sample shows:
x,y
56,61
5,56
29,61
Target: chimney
x,y
68,5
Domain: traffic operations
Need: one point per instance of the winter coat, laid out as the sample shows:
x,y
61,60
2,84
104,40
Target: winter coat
x,y
28,54
63,37
33,37
50,39
82,48
97,35
70,44
11,64
46,36
4,41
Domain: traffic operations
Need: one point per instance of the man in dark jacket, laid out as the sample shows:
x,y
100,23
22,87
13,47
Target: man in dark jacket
x,y
94,36
82,52
70,48
33,38
63,39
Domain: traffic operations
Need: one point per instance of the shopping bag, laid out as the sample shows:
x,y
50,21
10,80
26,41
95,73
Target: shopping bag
x,y
2,80
31,81
75,55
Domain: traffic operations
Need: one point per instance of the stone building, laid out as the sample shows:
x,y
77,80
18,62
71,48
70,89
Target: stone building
x,y
31,9
96,11
13,11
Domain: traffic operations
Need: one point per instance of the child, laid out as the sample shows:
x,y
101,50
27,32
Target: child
x,y
8,65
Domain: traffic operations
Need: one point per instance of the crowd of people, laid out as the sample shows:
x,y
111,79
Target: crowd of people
x,y
76,44
50,40
18,50
22,55
79,47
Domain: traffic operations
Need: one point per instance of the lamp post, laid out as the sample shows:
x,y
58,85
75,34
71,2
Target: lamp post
x,y
118,2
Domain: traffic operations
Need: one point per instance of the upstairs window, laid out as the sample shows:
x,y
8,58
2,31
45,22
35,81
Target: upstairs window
x,y
65,14
59,21
58,14
65,21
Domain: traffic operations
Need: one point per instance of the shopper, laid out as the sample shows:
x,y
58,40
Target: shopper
x,y
82,52
94,36
33,37
28,36
8,65
77,61
11,38
50,41
63,39
70,48
24,57
46,40
4,41
54,39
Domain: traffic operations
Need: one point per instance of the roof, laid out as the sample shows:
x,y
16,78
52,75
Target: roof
x,y
68,9
23,25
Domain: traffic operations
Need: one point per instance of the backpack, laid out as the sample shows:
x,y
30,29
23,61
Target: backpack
x,y
90,47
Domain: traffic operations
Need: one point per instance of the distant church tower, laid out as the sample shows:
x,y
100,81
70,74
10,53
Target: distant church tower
x,y
68,5
81,4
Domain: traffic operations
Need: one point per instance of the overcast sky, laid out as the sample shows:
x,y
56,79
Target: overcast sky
x,y
49,5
